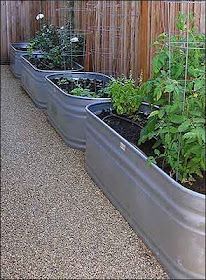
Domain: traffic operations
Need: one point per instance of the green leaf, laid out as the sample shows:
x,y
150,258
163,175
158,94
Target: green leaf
x,y
151,160
157,152
199,84
184,126
177,118
169,88
154,113
158,93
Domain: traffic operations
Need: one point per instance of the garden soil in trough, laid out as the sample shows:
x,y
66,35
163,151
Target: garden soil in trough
x,y
44,64
92,85
55,222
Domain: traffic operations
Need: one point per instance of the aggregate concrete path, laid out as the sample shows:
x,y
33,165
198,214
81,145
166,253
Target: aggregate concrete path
x,y
56,223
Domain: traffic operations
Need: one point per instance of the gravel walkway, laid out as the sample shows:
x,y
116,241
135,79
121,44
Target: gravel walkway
x,y
56,224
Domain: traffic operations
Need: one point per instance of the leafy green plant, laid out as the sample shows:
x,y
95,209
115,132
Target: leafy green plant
x,y
45,39
125,96
60,46
84,92
71,43
168,65
62,81
179,124
53,58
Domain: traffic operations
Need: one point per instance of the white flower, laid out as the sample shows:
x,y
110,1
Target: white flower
x,y
39,16
74,40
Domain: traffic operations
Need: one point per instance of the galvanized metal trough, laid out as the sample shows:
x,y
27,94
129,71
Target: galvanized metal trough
x,y
67,112
16,50
34,83
169,217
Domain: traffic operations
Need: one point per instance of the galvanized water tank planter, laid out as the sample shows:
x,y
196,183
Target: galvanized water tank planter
x,y
66,112
34,83
15,57
169,217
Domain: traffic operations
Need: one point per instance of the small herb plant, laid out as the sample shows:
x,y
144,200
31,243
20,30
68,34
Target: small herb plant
x,y
125,96
179,124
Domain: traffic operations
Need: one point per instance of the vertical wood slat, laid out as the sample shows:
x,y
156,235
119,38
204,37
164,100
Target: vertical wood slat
x,y
4,33
143,39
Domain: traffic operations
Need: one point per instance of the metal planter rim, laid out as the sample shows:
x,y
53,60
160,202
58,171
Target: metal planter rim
x,y
48,77
142,155
12,45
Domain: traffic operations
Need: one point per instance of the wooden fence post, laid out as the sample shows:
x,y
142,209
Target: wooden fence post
x,y
143,39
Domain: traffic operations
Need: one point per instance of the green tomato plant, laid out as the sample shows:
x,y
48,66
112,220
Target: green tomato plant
x,y
179,124
168,65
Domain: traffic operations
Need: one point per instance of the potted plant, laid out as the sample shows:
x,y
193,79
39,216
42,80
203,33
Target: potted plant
x,y
150,162
60,47
68,95
16,50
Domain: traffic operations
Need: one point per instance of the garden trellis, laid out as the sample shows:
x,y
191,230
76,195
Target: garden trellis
x,y
188,45
102,35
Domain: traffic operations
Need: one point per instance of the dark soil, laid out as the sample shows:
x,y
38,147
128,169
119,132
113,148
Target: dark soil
x,y
44,64
130,130
93,85
21,49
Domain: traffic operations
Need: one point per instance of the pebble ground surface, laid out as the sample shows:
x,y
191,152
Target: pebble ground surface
x,y
55,222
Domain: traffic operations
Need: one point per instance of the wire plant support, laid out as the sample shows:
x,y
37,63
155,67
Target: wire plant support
x,y
185,46
101,35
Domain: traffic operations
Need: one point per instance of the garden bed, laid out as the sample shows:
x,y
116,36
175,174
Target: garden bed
x,y
67,102
169,217
130,130
16,51
34,82
92,87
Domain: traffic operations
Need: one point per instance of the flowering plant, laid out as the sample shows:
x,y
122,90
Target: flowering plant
x,y
39,16
60,46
